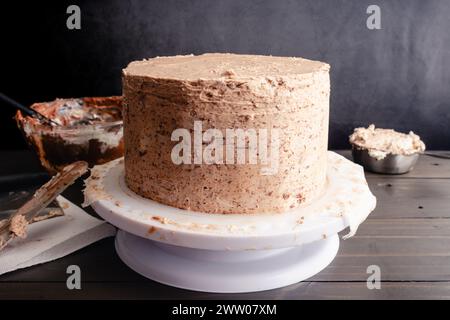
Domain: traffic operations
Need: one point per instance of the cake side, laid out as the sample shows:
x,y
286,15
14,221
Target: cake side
x,y
293,105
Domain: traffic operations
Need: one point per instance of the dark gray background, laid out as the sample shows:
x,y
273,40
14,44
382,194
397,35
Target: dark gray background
x,y
397,77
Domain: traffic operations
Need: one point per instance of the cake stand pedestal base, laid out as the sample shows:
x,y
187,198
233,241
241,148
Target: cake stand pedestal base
x,y
224,271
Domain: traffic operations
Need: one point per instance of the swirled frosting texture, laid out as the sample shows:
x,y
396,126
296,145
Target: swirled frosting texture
x,y
381,142
226,91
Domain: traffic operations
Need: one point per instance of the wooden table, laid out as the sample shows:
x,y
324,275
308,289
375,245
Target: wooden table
x,y
407,236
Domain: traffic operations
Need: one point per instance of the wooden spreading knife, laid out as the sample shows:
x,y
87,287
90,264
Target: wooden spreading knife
x,y
17,223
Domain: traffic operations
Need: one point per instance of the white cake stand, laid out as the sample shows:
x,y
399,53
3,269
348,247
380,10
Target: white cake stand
x,y
230,253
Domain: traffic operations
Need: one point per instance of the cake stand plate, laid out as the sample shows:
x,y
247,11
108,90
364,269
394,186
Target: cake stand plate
x,y
233,252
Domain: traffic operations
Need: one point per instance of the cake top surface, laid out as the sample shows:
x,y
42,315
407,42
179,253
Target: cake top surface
x,y
211,66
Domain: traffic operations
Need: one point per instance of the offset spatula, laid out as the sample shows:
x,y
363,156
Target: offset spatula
x,y
17,222
14,104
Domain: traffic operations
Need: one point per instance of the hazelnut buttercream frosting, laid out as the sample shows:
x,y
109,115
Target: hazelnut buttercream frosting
x,y
226,133
381,142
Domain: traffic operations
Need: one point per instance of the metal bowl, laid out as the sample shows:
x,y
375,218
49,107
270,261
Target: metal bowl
x,y
391,164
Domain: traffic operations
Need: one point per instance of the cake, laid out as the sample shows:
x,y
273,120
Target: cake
x,y
226,133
